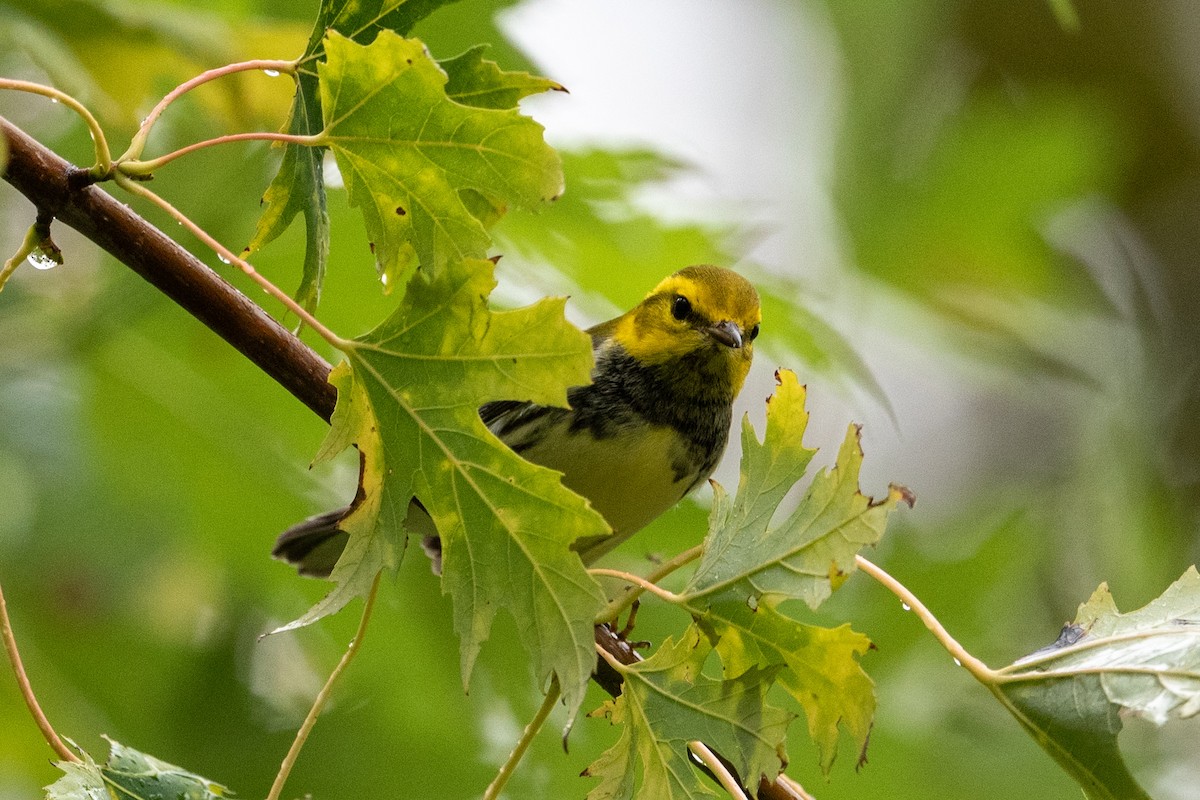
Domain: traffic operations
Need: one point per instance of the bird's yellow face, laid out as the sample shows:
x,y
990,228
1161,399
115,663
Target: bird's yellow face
x,y
698,311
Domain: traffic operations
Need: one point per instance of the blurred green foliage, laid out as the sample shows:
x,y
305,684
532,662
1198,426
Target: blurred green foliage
x,y
1016,197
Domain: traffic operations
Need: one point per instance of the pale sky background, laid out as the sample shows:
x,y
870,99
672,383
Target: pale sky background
x,y
757,114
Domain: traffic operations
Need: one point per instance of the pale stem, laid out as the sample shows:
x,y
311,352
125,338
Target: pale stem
x,y
793,786
718,769
28,245
293,753
531,730
612,660
137,167
103,154
224,252
619,604
642,583
139,139
14,658
980,671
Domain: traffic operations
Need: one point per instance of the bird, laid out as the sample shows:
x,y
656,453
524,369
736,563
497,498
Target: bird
x,y
649,428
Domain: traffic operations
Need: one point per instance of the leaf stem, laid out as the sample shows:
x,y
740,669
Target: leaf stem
x,y
793,786
642,583
14,658
718,769
144,168
619,604
306,727
612,660
226,254
103,165
979,670
138,143
28,245
531,730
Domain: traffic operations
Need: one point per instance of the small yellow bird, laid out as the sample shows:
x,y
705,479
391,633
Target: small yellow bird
x,y
648,429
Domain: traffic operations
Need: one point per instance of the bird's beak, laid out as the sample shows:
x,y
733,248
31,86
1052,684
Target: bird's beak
x,y
727,333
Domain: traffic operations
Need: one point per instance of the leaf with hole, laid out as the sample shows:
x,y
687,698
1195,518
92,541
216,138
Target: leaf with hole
x,y
407,153
299,185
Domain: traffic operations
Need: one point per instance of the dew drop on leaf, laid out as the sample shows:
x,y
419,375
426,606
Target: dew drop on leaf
x,y
906,606
41,261
957,663
54,100
271,73
223,259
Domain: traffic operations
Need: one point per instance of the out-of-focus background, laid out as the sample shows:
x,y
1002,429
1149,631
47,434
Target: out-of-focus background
x,y
975,227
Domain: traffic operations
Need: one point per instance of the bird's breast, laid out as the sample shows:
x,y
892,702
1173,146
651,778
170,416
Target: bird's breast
x,y
630,476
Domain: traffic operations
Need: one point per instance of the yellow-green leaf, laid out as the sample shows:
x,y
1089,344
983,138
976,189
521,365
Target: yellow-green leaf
x,y
666,703
813,549
407,152
299,185
475,81
821,669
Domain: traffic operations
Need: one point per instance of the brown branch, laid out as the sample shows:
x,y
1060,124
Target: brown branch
x,y
57,188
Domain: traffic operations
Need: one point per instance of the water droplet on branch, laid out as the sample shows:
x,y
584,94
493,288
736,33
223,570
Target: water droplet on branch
x,y
271,73
39,260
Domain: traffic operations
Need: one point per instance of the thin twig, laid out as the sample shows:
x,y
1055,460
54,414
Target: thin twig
x,y
14,658
718,769
293,753
531,730
979,670
228,255
639,581
143,168
138,143
103,155
624,601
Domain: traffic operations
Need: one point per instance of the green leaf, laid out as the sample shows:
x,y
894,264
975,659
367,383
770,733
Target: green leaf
x,y
812,551
748,568
666,703
472,81
130,775
822,670
1071,696
409,400
299,186
407,152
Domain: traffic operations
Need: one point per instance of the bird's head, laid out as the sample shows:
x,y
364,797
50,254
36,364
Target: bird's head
x,y
703,312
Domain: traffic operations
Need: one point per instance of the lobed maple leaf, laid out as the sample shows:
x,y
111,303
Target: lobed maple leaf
x,y
665,703
408,398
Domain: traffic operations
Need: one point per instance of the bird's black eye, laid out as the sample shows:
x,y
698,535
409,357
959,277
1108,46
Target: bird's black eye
x,y
753,334
680,307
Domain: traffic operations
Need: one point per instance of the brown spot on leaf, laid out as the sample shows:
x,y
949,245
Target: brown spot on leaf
x,y
400,212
